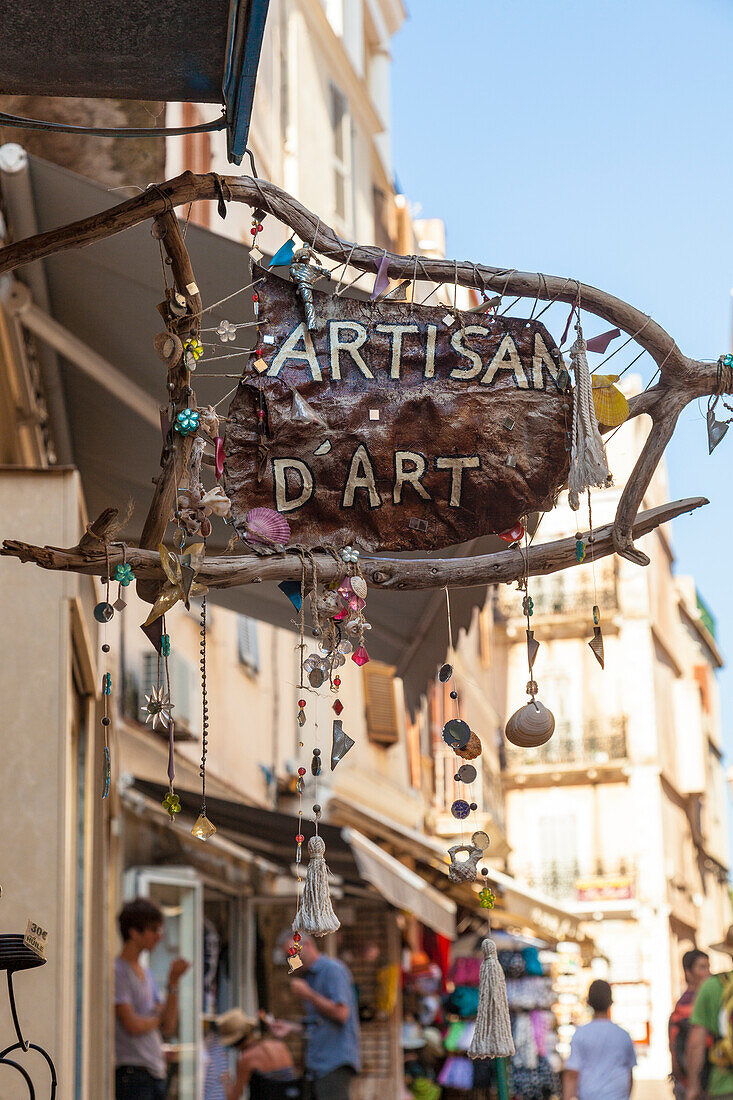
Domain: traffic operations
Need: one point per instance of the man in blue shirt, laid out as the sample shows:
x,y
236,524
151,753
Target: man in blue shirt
x,y
331,1022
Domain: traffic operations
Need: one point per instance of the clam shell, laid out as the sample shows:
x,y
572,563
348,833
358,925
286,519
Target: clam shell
x,y
611,406
359,586
267,526
530,726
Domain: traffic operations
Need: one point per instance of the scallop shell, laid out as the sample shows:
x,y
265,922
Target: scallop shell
x,y
471,750
359,586
267,526
530,726
611,406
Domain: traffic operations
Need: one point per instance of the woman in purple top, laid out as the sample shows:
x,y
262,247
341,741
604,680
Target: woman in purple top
x,y
142,1016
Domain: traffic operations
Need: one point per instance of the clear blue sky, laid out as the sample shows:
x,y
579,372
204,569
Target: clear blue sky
x,y
592,138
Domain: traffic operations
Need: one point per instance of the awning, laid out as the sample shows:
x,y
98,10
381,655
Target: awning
x,y
350,855
168,50
399,885
105,297
520,907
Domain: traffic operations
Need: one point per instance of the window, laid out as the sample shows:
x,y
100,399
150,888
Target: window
x,y
381,709
249,650
341,126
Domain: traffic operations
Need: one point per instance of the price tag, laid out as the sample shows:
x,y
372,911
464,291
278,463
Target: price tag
x,y
36,938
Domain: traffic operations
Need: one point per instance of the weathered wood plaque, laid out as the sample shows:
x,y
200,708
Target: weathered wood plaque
x,y
439,426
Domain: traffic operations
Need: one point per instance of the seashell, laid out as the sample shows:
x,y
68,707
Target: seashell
x,y
216,501
530,726
470,750
329,604
463,870
611,406
267,526
359,586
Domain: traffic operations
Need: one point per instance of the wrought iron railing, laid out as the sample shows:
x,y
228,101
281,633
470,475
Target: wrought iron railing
x,y
571,880
563,601
597,742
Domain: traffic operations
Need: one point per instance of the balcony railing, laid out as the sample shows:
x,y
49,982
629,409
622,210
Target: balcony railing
x,y
569,881
598,742
561,601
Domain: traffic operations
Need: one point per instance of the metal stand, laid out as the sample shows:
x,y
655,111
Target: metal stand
x,y
15,956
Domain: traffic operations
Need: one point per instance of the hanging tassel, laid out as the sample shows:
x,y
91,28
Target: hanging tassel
x,y
492,1037
588,463
315,913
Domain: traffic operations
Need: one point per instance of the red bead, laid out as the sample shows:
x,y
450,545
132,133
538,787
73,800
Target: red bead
x,y
296,937
255,297
260,352
338,706
253,231
292,951
512,534
260,414
337,681
301,702
301,771
299,838
259,228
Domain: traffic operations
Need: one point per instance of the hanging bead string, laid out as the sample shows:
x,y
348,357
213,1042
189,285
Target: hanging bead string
x,y
527,610
447,672
204,708
106,692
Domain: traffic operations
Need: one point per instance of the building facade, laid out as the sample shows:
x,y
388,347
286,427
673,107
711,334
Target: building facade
x,y
621,815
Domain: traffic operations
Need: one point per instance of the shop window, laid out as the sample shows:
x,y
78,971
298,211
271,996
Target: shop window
x,y
185,694
342,153
247,643
381,708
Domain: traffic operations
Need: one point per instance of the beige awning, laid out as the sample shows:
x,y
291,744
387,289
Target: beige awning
x,y
400,886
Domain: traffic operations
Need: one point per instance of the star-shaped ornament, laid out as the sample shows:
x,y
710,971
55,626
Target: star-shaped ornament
x,y
180,569
158,708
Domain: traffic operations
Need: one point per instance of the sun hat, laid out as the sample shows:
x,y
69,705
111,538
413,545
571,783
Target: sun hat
x,y
234,1026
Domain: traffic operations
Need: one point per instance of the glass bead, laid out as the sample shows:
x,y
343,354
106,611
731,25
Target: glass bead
x,y
338,706
532,687
460,809
454,695
486,898
337,681
528,605
484,870
301,702
165,645
203,828
301,717
105,648
473,806
299,838
316,752
360,657
316,809
580,551
301,771
296,937
105,721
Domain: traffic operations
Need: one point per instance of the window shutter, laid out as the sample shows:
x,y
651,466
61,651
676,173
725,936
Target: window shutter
x,y
249,650
381,710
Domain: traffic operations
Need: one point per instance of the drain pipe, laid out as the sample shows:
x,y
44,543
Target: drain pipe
x,y
18,199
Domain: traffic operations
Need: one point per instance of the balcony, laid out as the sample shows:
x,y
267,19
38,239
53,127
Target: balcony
x,y
598,885
553,600
571,754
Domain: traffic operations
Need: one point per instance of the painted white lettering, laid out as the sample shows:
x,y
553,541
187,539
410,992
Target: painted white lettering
x,y
410,476
351,345
506,358
457,464
280,468
290,350
463,374
396,332
361,476
430,352
541,361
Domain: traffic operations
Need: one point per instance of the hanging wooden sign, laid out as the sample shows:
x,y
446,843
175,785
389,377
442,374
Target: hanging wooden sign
x,y
394,426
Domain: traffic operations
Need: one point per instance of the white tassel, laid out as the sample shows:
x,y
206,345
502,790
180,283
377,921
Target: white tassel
x,y
492,1036
315,913
588,462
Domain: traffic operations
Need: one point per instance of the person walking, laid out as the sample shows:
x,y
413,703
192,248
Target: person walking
x,y
602,1058
710,1044
142,1016
332,1042
696,968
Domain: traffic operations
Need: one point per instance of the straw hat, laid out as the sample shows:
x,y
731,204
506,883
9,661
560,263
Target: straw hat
x,y
234,1026
727,945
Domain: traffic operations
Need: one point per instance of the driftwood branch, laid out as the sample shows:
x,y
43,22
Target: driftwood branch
x,y
682,379
230,571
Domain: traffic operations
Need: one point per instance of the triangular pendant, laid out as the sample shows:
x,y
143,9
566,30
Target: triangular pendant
x,y
187,575
292,591
154,631
716,431
341,743
596,645
302,411
533,647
